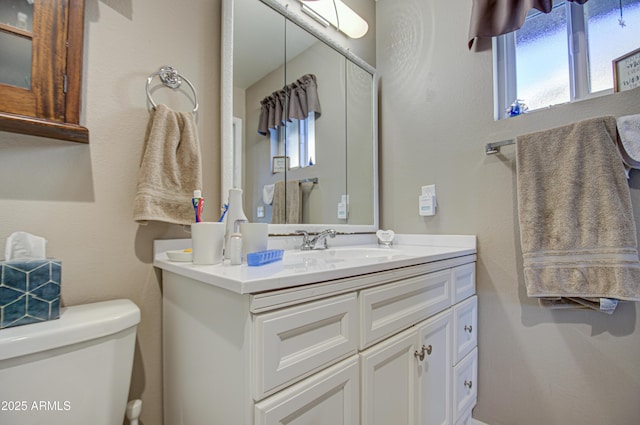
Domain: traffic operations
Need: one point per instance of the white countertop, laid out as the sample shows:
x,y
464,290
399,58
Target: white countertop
x,y
305,267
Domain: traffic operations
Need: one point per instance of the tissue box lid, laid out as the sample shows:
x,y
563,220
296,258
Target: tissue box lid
x,y
29,291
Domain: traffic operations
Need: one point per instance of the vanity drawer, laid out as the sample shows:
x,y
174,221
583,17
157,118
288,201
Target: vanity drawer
x,y
390,308
331,396
465,385
294,342
464,281
465,328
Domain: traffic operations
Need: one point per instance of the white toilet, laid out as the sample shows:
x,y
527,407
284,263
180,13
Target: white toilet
x,y
74,370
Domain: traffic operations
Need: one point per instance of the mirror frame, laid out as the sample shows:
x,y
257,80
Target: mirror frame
x,y
226,111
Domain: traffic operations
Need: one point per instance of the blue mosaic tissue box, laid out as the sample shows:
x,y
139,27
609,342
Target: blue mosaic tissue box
x,y
29,291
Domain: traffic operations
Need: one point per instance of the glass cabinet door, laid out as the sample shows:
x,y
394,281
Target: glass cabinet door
x,y
16,25
41,52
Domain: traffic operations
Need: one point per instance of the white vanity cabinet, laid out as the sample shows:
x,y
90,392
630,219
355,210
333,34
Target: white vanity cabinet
x,y
373,349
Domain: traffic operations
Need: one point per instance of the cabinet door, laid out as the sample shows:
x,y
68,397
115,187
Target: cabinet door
x,y
466,418
434,396
330,397
42,51
389,381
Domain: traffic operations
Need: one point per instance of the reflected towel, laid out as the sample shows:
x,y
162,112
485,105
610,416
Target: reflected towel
x,y
170,170
577,228
287,203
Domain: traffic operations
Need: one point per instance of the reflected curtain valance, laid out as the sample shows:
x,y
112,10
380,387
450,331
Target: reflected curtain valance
x,y
296,100
490,18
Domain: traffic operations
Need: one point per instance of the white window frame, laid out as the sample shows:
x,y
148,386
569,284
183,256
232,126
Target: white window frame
x,y
504,62
297,132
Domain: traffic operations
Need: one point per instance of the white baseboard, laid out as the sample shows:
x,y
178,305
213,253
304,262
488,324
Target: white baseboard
x,y
476,422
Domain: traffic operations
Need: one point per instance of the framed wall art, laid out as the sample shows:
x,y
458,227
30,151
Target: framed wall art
x,y
626,71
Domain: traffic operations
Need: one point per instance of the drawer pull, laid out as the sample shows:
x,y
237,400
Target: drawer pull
x,y
468,328
423,350
468,384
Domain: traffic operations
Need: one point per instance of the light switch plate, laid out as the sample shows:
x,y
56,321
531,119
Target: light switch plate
x,y
429,190
427,204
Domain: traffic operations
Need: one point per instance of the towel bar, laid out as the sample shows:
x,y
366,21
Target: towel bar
x,y
313,180
171,78
491,148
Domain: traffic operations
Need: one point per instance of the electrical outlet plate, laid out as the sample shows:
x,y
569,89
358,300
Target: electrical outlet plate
x,y
343,207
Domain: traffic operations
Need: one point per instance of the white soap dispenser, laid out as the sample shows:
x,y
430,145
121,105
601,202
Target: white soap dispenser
x,y
234,213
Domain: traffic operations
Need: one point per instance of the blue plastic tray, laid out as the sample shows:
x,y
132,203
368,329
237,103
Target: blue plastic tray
x,y
264,257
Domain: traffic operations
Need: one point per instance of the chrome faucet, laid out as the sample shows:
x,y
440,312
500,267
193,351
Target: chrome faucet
x,y
309,244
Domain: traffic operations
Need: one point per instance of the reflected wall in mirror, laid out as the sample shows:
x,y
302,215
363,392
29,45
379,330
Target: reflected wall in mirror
x,y
329,157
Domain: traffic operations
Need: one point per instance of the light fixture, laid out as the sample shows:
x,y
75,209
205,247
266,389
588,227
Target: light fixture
x,y
336,14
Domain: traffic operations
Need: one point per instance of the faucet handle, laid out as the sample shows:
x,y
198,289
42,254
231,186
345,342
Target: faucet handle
x,y
306,243
305,236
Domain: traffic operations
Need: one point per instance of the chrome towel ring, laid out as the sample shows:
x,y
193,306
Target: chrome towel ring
x,y
171,78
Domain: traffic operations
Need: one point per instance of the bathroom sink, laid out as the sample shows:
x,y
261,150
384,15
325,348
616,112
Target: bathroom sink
x,y
347,253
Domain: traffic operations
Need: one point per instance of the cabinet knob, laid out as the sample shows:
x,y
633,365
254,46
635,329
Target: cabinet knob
x,y
420,354
468,328
468,383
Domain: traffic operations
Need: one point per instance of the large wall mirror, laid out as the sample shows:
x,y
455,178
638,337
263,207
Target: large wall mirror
x,y
298,122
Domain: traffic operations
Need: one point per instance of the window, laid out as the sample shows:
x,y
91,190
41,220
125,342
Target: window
x,y
564,55
295,140
41,45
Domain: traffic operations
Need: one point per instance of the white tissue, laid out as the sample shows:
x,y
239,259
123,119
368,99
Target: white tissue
x,y
23,245
267,193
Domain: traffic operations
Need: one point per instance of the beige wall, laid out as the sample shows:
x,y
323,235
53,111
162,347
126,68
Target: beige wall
x,y
79,197
536,366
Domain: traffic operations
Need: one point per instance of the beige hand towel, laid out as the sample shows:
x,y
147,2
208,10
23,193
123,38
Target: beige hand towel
x,y
577,229
287,203
170,170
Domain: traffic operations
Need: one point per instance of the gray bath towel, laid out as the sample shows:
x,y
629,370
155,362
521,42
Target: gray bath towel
x,y
170,170
577,229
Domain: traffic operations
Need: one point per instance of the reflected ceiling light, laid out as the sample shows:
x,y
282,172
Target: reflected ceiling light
x,y
336,14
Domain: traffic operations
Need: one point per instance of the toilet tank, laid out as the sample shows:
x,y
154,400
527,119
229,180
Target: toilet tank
x,y
75,370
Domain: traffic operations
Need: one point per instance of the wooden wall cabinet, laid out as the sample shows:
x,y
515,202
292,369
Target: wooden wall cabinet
x,y
48,103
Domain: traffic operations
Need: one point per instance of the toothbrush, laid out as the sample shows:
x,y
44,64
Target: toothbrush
x,y
198,204
225,208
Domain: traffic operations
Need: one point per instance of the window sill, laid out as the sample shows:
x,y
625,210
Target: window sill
x,y
591,96
43,128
